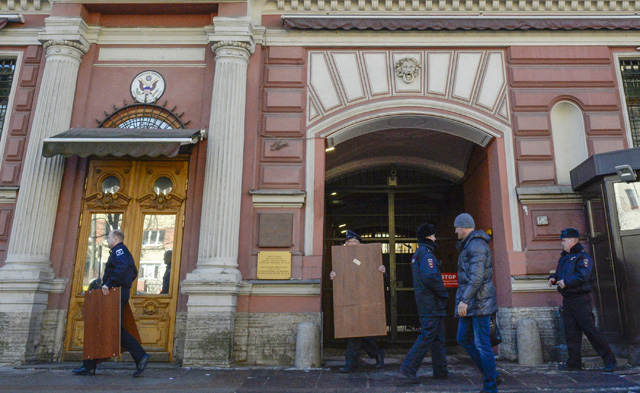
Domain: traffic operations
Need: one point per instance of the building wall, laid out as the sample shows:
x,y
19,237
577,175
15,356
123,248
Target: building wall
x,y
282,159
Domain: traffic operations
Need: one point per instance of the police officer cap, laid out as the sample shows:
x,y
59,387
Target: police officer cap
x,y
425,230
570,232
464,220
353,235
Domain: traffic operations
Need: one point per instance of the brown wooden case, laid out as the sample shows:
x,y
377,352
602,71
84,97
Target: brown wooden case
x,y
358,291
101,324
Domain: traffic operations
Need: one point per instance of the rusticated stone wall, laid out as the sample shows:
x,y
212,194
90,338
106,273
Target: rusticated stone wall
x,y
268,338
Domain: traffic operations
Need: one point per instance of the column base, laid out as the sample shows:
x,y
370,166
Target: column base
x,y
210,320
24,294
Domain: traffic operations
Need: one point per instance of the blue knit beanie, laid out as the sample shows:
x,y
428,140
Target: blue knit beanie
x,y
464,220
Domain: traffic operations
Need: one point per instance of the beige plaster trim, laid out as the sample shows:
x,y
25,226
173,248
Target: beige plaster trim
x,y
530,284
449,39
8,195
278,199
280,288
151,54
548,195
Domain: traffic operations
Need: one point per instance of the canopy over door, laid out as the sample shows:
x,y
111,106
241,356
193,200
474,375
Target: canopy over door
x,y
119,142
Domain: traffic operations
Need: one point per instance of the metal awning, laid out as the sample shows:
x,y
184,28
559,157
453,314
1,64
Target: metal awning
x,y
603,164
120,142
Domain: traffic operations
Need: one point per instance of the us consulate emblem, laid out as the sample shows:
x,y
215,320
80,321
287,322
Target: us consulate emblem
x,y
147,87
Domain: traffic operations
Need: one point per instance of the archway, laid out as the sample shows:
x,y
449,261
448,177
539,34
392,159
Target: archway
x,y
383,184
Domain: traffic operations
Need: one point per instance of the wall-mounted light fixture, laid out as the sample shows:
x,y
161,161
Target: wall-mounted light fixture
x,y
626,173
329,145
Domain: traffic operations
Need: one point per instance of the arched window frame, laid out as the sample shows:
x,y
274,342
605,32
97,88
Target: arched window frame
x,y
142,116
569,139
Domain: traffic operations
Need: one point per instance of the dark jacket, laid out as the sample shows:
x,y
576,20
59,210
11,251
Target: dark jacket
x,y
120,270
574,267
475,269
431,295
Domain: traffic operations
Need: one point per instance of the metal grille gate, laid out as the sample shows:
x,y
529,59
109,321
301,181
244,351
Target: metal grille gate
x,y
386,206
630,70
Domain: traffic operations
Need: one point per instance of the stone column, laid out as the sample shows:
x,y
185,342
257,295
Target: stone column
x,y
27,277
213,286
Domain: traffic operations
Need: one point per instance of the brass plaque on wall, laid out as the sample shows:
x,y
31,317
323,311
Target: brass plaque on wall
x,y
274,265
275,229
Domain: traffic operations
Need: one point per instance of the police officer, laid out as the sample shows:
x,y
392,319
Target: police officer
x,y
573,280
431,300
355,344
120,271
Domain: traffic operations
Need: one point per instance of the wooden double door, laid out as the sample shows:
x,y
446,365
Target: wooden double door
x,y
145,199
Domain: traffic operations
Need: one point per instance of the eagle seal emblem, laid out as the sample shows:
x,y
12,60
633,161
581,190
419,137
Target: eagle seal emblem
x,y
147,87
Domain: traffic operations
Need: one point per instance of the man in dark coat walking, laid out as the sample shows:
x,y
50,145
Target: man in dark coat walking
x,y
476,298
431,301
573,280
120,271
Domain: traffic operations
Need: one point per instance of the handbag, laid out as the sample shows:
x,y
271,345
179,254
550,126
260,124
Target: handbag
x,y
494,331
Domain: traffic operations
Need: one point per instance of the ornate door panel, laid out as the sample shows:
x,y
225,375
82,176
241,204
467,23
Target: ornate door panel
x,y
146,200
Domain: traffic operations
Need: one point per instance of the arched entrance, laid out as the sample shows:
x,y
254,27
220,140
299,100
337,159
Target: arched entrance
x,y
383,185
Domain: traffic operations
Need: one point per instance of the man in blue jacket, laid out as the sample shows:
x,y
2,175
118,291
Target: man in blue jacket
x,y
120,271
431,301
573,280
476,298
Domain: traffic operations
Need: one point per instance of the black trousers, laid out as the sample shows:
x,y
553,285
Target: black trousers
x,y
432,337
578,318
354,344
127,341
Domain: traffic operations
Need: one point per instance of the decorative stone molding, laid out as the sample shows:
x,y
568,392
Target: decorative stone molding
x,y
68,32
221,45
343,79
407,68
531,283
26,6
278,198
62,44
518,7
548,194
281,288
8,194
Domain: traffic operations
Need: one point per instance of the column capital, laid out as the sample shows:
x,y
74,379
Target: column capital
x,y
65,31
232,32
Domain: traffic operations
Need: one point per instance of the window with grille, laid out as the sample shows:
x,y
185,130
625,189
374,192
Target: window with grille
x,y
7,69
630,70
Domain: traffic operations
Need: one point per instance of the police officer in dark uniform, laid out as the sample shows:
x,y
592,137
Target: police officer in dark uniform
x,y
573,280
355,344
120,271
431,300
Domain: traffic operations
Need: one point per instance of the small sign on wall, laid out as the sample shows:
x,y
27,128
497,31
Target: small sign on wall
x,y
274,265
275,229
450,280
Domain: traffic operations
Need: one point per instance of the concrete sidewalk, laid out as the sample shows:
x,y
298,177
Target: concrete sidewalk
x,y
57,377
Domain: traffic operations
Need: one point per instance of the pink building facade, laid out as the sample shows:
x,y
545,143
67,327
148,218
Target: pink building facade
x,y
316,116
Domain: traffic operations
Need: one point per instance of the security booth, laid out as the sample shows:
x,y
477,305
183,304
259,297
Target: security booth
x,y
609,185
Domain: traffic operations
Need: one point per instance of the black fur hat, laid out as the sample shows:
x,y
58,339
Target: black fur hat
x,y
424,231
